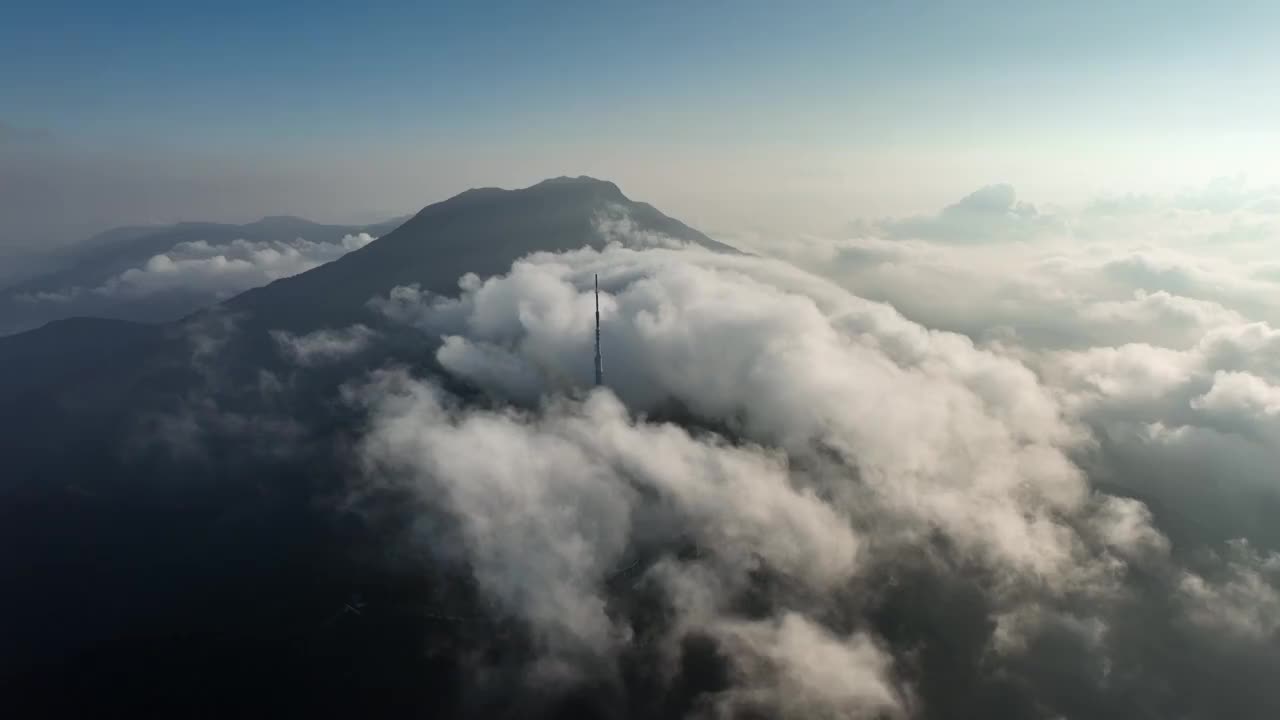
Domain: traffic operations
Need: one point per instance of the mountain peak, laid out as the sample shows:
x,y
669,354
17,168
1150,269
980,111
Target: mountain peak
x,y
581,187
580,180
481,231
281,221
583,182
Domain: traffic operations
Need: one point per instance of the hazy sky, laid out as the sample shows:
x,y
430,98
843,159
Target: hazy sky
x,y
727,114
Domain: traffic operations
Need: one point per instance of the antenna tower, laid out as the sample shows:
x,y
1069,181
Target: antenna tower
x,y
599,362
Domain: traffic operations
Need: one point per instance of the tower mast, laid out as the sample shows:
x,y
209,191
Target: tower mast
x,y
599,362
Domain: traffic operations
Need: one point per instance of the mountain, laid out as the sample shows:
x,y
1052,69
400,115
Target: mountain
x,y
34,360
86,277
481,231
133,563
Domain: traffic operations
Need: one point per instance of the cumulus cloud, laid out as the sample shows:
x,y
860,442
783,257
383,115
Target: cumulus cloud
x,y
1240,392
1192,429
550,504
791,667
989,214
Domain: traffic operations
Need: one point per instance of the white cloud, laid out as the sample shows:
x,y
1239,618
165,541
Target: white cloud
x,y
225,270
990,214
615,225
218,270
794,668
1240,392
550,504
324,346
735,337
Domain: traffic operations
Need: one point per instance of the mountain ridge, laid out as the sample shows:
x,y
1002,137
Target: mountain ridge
x,y
481,230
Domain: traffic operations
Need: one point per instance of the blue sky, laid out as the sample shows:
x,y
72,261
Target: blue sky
x,y
829,108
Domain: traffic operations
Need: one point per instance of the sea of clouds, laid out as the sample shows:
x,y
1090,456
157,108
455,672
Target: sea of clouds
x,y
995,462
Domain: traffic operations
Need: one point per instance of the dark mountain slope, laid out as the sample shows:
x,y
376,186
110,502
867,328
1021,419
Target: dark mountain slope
x,y
56,352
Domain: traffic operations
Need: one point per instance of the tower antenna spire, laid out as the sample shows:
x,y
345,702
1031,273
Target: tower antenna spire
x,y
599,362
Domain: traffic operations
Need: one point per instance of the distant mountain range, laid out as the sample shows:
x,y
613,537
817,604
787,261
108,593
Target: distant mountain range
x,y
81,279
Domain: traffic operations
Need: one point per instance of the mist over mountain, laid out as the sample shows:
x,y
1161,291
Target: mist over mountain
x,y
961,465
161,273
